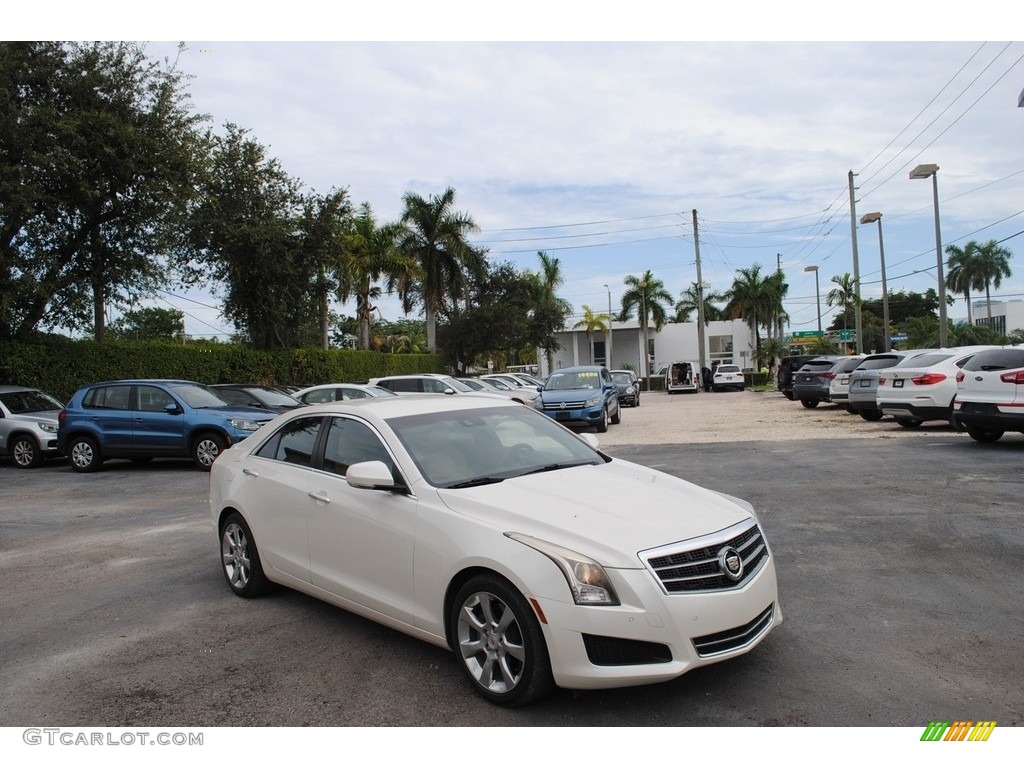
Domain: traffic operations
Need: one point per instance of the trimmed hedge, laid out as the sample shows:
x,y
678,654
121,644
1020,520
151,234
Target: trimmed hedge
x,y
60,367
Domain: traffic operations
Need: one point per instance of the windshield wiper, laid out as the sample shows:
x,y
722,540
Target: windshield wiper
x,y
561,465
476,481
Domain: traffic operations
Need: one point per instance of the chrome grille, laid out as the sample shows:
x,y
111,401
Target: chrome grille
x,y
736,638
695,565
567,405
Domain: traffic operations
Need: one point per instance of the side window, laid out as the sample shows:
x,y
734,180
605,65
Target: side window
x,y
354,394
319,396
113,398
294,442
151,399
404,385
435,385
234,396
350,442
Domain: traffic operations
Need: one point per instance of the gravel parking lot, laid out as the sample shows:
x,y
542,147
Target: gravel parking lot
x,y
898,553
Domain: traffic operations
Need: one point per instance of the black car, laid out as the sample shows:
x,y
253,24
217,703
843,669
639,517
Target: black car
x,y
256,396
628,386
812,380
788,366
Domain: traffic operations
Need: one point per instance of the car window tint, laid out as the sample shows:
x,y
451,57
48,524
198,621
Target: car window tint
x,y
996,360
114,398
350,442
294,442
235,396
152,399
924,361
319,396
403,385
876,363
350,393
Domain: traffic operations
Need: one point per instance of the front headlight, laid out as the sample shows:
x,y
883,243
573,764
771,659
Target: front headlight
x,y
587,580
595,400
246,425
47,427
630,389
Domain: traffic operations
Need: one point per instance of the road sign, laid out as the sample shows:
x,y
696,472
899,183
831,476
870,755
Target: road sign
x,y
806,335
898,337
846,335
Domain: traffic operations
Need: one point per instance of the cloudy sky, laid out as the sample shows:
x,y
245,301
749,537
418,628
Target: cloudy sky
x,y
596,143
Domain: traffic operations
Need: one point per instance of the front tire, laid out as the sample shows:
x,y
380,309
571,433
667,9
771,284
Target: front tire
x,y
240,560
25,452
870,415
84,455
809,403
498,642
207,448
908,423
984,435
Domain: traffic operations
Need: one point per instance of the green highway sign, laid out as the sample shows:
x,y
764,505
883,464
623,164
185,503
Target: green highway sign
x,y
846,335
806,335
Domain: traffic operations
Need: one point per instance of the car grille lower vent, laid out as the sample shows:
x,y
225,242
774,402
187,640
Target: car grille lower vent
x,y
616,652
734,639
700,568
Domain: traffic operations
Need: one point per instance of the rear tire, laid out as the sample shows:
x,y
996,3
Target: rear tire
x,y
603,426
908,423
870,415
984,435
809,403
617,418
84,455
789,395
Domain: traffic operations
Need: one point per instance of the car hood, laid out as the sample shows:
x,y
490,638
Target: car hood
x,y
241,412
33,417
608,512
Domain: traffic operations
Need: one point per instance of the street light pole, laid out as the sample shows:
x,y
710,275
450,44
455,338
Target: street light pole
x,y
608,345
867,218
923,172
817,296
644,365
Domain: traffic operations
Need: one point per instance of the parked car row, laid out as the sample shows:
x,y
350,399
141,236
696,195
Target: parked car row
x,y
978,389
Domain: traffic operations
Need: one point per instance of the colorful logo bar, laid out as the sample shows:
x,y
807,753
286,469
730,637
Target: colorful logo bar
x,y
958,730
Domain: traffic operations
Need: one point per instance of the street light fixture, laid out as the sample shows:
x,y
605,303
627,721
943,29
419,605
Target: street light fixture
x,y
608,344
923,172
817,294
867,218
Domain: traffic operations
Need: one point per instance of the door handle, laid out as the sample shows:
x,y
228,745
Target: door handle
x,y
250,472
316,496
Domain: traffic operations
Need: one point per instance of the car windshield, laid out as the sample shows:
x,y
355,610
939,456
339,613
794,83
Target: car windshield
x,y
380,391
198,396
273,397
924,361
728,369
29,401
458,386
817,365
575,380
622,378
876,363
464,448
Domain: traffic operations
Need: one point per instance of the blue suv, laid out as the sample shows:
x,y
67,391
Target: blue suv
x,y
583,396
150,418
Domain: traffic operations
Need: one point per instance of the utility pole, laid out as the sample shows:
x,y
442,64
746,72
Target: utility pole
x,y
856,268
701,351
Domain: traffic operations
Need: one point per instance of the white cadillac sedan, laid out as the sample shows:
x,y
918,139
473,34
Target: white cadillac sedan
x,y
489,529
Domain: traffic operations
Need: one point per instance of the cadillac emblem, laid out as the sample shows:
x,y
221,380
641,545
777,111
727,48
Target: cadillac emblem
x,y
731,563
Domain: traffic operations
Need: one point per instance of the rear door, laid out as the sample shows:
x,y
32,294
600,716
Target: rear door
x,y
109,412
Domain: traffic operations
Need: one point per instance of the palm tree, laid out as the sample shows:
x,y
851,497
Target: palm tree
x,y
993,264
751,298
551,279
647,295
373,253
691,298
963,276
592,322
435,237
775,292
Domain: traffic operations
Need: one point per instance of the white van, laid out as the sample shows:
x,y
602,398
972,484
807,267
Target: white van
x,y
682,376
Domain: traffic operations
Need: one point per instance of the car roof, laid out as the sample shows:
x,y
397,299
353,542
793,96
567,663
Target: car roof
x,y
4,388
142,381
579,368
408,405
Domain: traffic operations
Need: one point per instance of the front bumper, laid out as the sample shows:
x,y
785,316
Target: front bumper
x,y
577,417
653,637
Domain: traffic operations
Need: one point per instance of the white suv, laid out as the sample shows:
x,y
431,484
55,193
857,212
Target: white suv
x,y
990,394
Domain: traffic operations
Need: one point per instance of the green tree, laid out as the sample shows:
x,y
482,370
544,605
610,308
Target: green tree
x,y
246,238
148,323
373,255
436,238
963,276
321,228
98,152
752,298
550,305
843,295
689,300
646,295
993,264
592,322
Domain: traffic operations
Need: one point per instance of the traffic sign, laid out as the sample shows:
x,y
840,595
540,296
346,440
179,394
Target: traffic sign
x,y
806,335
898,337
846,335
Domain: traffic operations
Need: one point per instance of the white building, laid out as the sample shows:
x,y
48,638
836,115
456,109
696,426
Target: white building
x,y
1007,316
726,341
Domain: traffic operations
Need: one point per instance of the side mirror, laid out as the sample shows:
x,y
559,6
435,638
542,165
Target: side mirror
x,y
371,475
172,408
